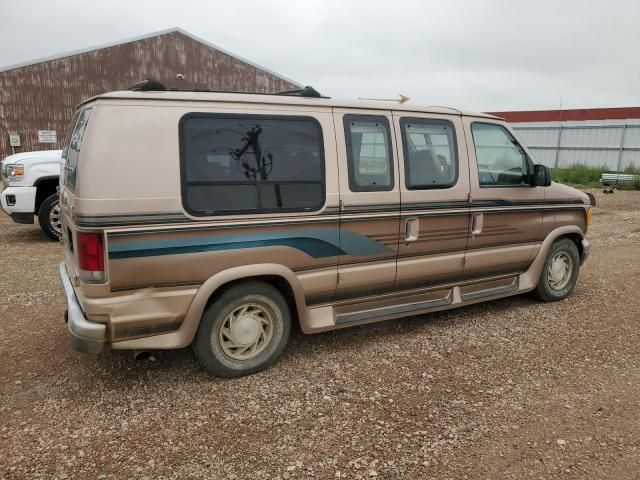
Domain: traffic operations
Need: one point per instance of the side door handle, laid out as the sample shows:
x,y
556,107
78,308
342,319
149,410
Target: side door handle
x,y
411,229
477,221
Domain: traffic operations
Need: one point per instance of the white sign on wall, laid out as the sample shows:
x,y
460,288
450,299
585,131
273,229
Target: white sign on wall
x,y
14,140
47,136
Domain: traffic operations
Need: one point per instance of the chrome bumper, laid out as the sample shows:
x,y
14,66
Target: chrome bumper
x,y
86,336
586,250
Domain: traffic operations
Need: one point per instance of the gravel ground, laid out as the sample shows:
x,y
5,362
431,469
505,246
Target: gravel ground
x,y
507,389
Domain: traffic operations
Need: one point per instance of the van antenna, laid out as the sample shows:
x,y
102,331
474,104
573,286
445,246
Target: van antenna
x,y
401,99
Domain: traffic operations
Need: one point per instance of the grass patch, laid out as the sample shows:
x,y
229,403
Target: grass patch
x,y
589,177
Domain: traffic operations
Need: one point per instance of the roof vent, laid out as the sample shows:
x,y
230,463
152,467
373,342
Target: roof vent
x,y
302,92
149,85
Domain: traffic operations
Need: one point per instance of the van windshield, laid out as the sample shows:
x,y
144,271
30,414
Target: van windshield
x,y
71,151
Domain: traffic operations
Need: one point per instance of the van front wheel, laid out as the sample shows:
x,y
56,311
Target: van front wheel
x,y
243,331
50,218
560,271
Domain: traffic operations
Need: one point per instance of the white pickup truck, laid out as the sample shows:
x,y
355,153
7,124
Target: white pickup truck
x,y
29,188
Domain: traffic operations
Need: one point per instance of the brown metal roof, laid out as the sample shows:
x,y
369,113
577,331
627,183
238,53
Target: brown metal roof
x,y
144,37
581,114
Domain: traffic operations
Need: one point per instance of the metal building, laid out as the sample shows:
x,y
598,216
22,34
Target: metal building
x,y
596,137
37,98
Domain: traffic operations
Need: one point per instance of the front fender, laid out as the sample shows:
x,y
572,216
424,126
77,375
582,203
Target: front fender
x,y
529,279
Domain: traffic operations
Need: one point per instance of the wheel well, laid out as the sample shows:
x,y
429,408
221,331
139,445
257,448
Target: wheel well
x,y
575,238
279,283
44,189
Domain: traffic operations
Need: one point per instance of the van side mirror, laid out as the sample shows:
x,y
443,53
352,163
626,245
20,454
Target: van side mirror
x,y
541,176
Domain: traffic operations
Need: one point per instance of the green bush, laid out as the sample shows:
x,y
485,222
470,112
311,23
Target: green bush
x,y
589,177
578,175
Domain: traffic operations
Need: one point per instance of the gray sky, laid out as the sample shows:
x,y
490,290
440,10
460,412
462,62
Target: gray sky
x,y
481,55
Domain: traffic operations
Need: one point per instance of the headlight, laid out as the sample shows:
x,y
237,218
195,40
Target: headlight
x,y
15,172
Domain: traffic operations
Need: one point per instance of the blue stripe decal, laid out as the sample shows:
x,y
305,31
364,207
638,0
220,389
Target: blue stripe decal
x,y
317,243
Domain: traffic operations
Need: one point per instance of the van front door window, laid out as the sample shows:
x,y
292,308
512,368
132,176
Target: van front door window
x,y
501,160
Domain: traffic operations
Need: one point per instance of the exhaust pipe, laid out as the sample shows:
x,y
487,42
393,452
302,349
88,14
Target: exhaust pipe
x,y
141,355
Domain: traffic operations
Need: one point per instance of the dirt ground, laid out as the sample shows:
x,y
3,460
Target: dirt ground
x,y
510,389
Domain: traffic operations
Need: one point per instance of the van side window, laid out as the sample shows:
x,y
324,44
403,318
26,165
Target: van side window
x,y
430,153
368,153
72,149
251,163
501,160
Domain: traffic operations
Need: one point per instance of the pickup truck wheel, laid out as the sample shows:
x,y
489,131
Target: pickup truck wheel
x,y
560,272
243,331
49,217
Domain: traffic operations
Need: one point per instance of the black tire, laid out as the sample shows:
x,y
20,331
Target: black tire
x,y
544,290
207,342
44,216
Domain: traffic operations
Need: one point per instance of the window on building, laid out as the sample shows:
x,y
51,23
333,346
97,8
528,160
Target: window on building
x,y
430,153
500,158
253,163
368,153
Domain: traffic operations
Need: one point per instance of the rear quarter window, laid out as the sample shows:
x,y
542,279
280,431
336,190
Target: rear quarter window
x,y
251,164
71,152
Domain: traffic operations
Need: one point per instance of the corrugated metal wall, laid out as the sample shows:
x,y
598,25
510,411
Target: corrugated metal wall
x,y
612,144
43,96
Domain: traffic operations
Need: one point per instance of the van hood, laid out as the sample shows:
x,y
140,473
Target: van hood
x,y
560,191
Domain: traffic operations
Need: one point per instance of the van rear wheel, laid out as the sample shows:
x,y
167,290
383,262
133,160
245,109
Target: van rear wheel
x,y
50,218
560,271
243,331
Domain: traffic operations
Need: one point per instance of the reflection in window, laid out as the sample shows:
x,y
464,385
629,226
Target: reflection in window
x,y
251,163
72,151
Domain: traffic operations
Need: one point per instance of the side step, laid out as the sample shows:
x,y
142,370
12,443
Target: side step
x,y
394,310
400,304
489,289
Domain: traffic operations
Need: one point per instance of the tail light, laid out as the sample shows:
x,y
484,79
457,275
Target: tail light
x,y
90,256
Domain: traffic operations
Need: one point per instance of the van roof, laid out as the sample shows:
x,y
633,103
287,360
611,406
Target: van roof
x,y
274,99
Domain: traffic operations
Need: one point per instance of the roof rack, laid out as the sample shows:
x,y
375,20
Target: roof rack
x,y
148,85
151,85
302,92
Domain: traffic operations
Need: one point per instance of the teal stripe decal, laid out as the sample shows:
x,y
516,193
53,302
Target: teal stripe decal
x,y
317,243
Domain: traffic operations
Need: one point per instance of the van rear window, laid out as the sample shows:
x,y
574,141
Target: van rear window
x,y
71,152
254,163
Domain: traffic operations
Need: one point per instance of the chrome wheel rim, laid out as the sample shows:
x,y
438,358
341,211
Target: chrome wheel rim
x,y
559,271
54,218
246,331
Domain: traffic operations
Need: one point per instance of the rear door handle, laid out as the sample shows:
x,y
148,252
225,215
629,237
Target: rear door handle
x,y
411,229
477,221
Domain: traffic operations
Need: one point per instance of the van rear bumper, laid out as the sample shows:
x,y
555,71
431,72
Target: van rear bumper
x,y
86,336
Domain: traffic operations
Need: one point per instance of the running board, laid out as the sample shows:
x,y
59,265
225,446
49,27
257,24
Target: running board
x,y
322,318
396,310
489,289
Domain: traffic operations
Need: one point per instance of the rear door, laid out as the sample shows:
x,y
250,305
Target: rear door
x,y
506,215
370,202
434,189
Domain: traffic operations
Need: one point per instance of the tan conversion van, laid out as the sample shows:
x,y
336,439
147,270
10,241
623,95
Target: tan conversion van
x,y
218,219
